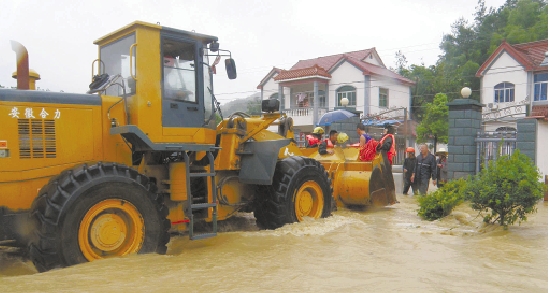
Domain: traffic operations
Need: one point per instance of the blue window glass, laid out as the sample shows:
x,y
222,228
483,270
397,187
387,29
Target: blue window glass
x,y
504,92
540,87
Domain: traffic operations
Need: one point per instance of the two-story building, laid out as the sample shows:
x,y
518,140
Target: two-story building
x,y
513,82
313,87
514,86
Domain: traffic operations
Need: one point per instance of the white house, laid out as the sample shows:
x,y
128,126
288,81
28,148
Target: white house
x,y
359,76
513,80
514,86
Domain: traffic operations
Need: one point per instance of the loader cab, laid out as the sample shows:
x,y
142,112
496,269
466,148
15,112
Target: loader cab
x,y
165,79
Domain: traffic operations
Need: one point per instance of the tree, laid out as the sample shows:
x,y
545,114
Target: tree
x,y
217,119
508,188
468,45
435,120
400,62
254,106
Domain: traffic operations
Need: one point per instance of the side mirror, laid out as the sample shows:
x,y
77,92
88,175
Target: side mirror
x,y
214,47
231,68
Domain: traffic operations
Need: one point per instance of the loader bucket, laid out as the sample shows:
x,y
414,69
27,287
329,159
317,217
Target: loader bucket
x,y
356,183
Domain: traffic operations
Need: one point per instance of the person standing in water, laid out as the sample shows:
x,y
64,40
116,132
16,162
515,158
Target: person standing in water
x,y
409,168
387,150
426,168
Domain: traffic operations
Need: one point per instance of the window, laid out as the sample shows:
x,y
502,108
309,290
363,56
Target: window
x,y
540,87
348,92
383,97
504,92
115,59
321,99
179,71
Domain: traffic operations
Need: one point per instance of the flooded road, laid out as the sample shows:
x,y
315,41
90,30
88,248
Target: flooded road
x,y
382,250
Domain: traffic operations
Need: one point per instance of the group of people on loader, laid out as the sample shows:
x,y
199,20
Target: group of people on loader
x,y
368,146
418,171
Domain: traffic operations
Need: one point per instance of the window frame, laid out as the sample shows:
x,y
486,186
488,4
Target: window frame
x,y
539,86
386,97
348,92
504,92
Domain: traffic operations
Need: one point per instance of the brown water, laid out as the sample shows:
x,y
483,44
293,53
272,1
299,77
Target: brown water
x,y
383,250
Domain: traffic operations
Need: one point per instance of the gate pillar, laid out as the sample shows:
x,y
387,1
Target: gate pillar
x,y
526,137
464,119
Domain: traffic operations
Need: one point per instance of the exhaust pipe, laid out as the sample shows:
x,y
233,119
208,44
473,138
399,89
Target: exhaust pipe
x,y
22,59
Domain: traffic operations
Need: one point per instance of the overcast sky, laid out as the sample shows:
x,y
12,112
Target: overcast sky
x,y
59,34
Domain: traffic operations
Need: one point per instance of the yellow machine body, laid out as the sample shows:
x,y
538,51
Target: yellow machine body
x,y
140,154
351,177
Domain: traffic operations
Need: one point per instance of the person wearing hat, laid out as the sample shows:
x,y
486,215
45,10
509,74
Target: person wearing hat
x,y
409,168
313,140
442,170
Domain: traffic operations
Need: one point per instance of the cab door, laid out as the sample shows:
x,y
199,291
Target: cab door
x,y
182,85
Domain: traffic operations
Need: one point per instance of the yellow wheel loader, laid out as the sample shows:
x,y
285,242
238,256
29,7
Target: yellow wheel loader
x,y
115,171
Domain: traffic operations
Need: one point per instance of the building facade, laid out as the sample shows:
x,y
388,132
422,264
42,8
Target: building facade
x,y
513,83
514,87
316,86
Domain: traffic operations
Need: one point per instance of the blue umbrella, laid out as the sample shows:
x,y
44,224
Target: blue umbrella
x,y
382,123
369,122
334,116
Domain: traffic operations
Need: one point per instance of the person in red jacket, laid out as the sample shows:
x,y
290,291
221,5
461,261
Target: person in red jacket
x,y
314,139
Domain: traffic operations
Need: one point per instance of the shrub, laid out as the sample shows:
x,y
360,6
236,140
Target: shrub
x,y
441,202
508,188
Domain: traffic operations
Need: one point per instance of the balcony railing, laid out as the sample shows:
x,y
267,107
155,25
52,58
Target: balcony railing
x,y
304,111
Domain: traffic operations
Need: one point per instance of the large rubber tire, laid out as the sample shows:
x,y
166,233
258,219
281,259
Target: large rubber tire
x,y
90,207
276,204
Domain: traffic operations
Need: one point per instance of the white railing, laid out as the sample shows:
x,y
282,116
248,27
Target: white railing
x,y
304,111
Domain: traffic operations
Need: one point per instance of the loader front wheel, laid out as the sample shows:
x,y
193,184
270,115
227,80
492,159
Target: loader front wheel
x,y
301,189
97,211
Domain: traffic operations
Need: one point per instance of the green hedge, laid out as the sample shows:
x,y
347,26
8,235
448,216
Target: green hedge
x,y
441,202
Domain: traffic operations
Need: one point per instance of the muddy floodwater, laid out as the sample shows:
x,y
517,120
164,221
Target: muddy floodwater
x,y
377,250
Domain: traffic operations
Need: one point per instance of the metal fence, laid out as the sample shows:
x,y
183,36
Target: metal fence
x,y
491,145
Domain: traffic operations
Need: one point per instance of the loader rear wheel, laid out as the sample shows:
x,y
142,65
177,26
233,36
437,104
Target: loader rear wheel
x,y
97,211
301,188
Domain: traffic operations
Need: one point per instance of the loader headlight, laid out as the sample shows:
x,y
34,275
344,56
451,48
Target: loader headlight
x,y
270,106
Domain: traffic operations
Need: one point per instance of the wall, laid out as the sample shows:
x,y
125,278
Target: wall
x,y
270,88
399,95
503,69
374,60
344,75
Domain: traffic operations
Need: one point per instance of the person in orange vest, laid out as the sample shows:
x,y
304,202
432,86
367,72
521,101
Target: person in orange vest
x,y
387,142
314,139
326,147
387,150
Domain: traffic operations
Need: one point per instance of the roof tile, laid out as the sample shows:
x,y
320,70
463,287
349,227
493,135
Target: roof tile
x,y
529,55
313,71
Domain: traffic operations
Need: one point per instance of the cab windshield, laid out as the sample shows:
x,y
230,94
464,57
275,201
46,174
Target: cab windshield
x,y
115,59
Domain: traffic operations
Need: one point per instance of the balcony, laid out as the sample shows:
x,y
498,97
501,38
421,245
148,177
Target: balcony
x,y
303,116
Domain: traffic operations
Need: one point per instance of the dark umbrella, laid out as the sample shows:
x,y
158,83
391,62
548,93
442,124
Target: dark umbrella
x,y
334,116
